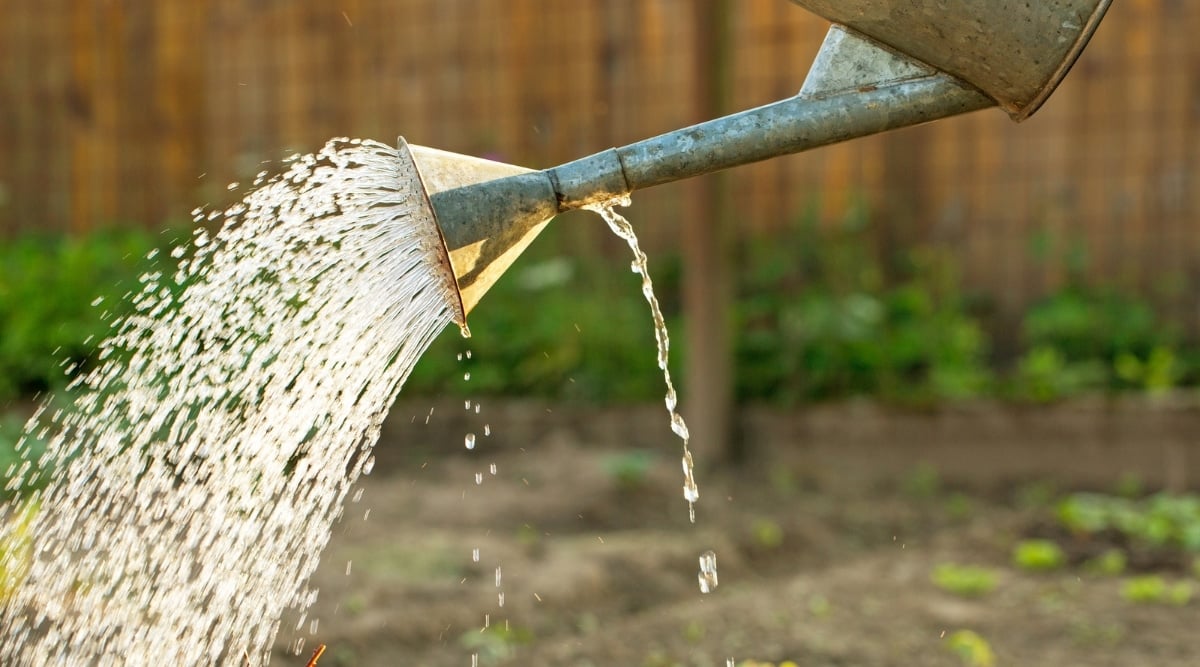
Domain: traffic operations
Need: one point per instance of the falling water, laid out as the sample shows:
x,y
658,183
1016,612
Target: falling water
x,y
207,456
621,227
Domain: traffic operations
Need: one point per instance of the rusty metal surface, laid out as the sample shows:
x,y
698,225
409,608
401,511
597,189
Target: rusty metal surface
x,y
1015,52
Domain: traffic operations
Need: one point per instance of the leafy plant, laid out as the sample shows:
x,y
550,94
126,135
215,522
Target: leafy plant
x,y
1110,563
1038,555
1163,520
630,468
964,580
22,465
57,297
767,533
552,326
1084,338
971,648
857,321
496,643
1154,589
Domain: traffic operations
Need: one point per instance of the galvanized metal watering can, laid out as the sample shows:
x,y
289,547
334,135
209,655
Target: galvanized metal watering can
x,y
884,64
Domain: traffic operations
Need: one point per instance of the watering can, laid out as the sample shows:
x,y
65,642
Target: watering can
x,y
884,64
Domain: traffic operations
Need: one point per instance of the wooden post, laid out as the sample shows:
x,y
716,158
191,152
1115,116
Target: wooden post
x,y
707,279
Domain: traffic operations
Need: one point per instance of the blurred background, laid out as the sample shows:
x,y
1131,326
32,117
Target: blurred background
x,y
959,281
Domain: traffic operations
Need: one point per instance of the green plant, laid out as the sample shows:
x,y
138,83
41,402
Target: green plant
x,y
1154,589
22,453
1038,555
630,468
964,580
923,482
58,295
574,329
767,533
496,643
958,506
856,321
1084,338
1110,563
971,648
1160,521
819,606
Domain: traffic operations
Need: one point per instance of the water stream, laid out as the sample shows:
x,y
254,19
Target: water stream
x,y
622,228
200,469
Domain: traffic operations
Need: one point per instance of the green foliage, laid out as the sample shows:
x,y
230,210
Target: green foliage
x,y
630,468
48,285
496,643
971,648
924,482
1110,563
22,468
820,607
767,533
1153,589
1163,520
1038,555
552,327
1082,339
823,315
964,580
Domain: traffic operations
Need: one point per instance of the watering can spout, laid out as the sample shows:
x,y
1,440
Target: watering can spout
x,y
883,65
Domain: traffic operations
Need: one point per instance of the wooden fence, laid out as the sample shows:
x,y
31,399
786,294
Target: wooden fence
x,y
133,112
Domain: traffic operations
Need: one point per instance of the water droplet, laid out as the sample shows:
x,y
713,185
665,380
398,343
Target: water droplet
x,y
708,571
467,404
492,468
97,301
468,354
368,465
467,376
232,186
357,497
469,441
476,408
500,598
479,478
460,356
487,429
312,627
475,555
348,564
497,576
474,660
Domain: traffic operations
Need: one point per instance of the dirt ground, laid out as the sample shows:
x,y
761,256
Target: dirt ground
x,y
825,540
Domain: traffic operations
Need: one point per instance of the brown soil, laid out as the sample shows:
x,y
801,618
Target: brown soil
x,y
825,540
